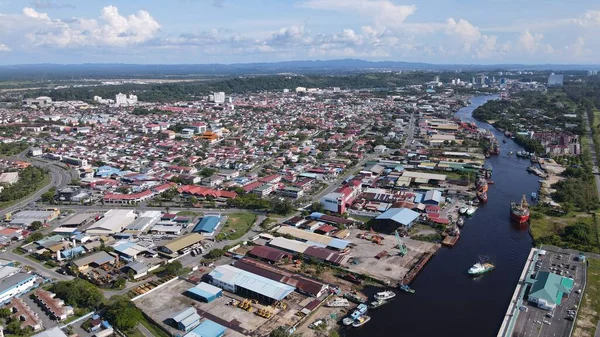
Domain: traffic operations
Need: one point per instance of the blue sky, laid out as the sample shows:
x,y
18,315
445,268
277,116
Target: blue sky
x,y
232,31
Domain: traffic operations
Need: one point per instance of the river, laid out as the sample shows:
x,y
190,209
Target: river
x,y
447,301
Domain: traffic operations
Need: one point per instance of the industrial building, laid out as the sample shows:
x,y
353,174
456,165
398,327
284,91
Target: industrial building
x,y
130,251
269,254
94,260
208,328
25,218
548,289
114,221
239,281
54,332
187,319
314,239
302,283
172,247
15,284
308,250
139,269
143,222
208,225
204,292
395,218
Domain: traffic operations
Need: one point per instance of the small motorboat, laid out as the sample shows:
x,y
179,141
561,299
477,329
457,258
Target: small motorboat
x,y
463,210
460,222
347,321
361,321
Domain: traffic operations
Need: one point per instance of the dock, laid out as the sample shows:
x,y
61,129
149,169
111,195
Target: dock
x,y
510,318
450,240
416,269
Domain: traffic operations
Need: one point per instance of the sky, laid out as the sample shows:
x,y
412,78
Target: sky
x,y
241,31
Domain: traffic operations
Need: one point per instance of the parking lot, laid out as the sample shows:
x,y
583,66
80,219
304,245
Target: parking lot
x,y
536,322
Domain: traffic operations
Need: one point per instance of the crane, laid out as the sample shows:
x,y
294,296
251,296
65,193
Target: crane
x,y
401,245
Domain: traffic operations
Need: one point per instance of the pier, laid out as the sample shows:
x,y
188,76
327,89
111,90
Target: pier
x,y
512,313
416,269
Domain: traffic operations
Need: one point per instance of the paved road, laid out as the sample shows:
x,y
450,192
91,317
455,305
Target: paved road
x,y
40,269
593,153
59,178
144,331
411,131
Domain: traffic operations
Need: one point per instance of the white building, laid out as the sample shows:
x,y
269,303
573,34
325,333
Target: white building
x,y
123,100
219,97
114,221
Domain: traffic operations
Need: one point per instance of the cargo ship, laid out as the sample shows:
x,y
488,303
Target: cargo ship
x,y
519,212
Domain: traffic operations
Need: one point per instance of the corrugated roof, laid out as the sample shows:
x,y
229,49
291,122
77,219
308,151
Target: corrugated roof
x,y
205,290
256,283
208,224
290,245
403,216
304,235
183,242
98,258
268,253
207,328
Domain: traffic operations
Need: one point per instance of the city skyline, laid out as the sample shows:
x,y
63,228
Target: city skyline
x,y
228,31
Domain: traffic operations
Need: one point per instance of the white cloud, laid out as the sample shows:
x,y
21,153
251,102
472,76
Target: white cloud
x,y
589,18
532,43
464,31
4,48
112,29
292,35
383,11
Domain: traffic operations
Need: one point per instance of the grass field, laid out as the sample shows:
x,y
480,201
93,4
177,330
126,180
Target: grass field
x,y
589,313
596,118
550,225
41,185
237,225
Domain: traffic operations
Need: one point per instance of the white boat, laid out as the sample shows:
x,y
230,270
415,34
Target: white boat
x,y
471,210
463,210
347,321
361,321
338,302
376,304
385,295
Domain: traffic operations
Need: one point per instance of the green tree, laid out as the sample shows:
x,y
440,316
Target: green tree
x,y
119,283
317,206
35,225
5,313
215,253
173,268
14,327
79,293
282,207
123,314
34,237
207,172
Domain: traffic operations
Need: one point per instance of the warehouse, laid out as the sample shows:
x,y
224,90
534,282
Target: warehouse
x,y
395,218
239,281
204,292
15,285
25,218
302,283
292,246
143,222
114,221
79,220
187,319
172,247
207,225
269,254
94,260
130,250
314,239
208,328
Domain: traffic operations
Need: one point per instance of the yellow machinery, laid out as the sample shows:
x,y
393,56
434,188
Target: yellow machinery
x,y
266,312
244,305
8,216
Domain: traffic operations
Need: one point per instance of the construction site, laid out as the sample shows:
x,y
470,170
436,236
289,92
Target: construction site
x,y
378,255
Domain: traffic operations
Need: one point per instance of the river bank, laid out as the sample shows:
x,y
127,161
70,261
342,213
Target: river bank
x,y
447,301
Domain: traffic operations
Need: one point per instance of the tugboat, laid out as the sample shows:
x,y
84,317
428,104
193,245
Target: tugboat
x,y
385,295
406,288
361,321
481,268
519,212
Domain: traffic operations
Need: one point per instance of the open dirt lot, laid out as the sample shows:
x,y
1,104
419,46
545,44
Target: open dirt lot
x,y
170,300
393,267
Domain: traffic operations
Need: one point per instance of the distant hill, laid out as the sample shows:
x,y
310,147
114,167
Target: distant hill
x,y
99,71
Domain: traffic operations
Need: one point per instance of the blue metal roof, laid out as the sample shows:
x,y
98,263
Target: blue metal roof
x,y
434,195
418,198
208,224
69,253
404,216
316,215
207,328
205,290
338,244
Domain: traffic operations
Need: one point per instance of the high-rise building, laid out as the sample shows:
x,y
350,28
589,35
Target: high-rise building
x,y
219,97
121,99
